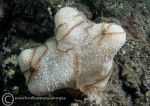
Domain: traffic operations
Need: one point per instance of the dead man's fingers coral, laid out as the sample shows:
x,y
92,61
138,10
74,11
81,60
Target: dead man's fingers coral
x,y
79,57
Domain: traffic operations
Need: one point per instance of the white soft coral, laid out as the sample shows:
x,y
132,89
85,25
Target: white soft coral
x,y
80,57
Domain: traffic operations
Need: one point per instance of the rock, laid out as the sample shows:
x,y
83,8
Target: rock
x,y
27,23
135,68
133,63
74,104
1,10
30,19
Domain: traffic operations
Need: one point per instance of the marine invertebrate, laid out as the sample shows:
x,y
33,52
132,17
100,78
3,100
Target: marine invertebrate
x,y
80,57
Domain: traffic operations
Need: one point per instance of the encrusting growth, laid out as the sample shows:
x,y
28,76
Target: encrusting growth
x,y
79,57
